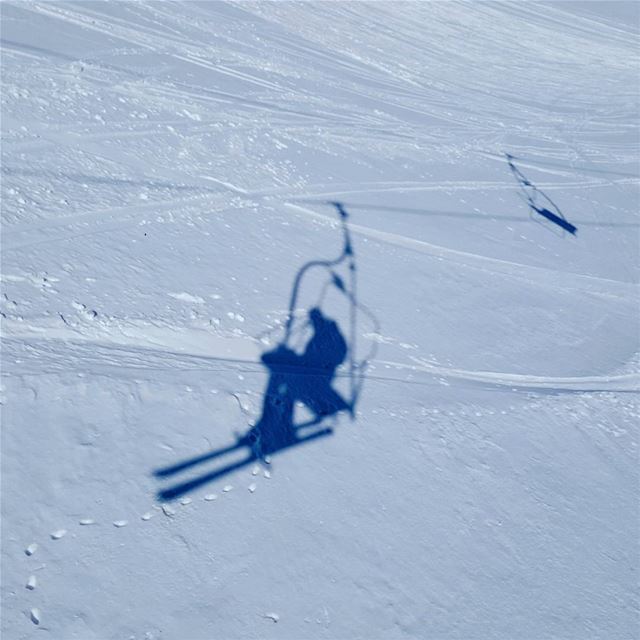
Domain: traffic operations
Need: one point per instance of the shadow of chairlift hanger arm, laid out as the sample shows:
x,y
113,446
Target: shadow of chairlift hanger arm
x,y
356,367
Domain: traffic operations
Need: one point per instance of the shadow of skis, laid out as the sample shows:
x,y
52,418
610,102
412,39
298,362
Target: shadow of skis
x,y
185,487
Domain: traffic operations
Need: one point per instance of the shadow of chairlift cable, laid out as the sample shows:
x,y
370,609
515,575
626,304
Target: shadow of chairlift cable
x,y
293,377
529,193
476,215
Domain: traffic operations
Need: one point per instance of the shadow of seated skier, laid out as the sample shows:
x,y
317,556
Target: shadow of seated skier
x,y
305,378
292,377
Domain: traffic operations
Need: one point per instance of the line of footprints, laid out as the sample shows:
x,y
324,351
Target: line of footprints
x,y
35,614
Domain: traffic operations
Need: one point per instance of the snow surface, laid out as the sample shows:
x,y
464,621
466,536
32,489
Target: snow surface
x,y
165,172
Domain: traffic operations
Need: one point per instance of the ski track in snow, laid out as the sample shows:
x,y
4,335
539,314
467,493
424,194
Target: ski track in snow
x,y
145,346
541,276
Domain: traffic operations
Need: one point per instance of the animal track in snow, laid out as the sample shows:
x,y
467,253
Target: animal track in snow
x,y
35,615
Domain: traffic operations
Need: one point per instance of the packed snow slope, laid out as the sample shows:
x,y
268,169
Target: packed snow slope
x,y
167,169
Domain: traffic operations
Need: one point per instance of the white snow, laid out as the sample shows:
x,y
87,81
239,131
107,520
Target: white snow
x,y
166,171
86,521
60,533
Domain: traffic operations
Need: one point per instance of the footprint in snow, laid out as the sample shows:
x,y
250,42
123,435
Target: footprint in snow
x,y
272,616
